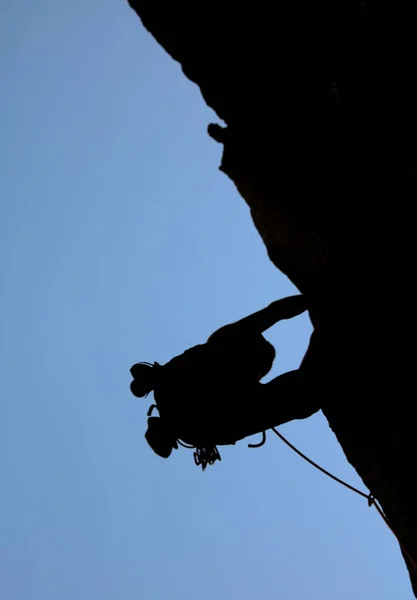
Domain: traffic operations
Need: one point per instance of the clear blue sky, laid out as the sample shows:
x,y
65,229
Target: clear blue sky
x,y
121,241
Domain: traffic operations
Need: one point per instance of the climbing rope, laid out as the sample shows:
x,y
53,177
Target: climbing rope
x,y
350,487
370,497
204,456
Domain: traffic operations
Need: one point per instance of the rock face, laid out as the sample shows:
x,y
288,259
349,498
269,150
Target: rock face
x,y
319,104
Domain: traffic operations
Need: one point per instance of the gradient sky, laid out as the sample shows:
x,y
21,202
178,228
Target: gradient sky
x,y
121,241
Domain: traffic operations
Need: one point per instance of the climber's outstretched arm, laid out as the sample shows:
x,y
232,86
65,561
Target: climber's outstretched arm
x,y
258,322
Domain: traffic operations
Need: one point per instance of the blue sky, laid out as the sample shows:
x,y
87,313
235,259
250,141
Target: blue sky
x,y
121,241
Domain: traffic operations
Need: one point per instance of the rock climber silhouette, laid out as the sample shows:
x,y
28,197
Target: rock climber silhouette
x,y
212,394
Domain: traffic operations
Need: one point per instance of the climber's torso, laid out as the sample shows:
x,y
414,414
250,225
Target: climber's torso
x,y
204,388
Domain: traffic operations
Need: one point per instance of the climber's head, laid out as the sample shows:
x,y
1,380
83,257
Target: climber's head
x,y
144,379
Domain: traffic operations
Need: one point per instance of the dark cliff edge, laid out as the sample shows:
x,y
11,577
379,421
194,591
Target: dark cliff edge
x,y
319,104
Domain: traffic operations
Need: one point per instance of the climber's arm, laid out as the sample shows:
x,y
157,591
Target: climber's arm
x,y
258,322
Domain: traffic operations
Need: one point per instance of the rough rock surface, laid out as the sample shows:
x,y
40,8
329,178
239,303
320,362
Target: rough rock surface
x,y
319,103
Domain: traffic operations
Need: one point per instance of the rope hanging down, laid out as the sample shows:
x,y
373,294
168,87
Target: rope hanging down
x,y
370,497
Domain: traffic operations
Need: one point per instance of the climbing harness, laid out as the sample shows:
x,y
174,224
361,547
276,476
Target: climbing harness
x,y
206,456
203,455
